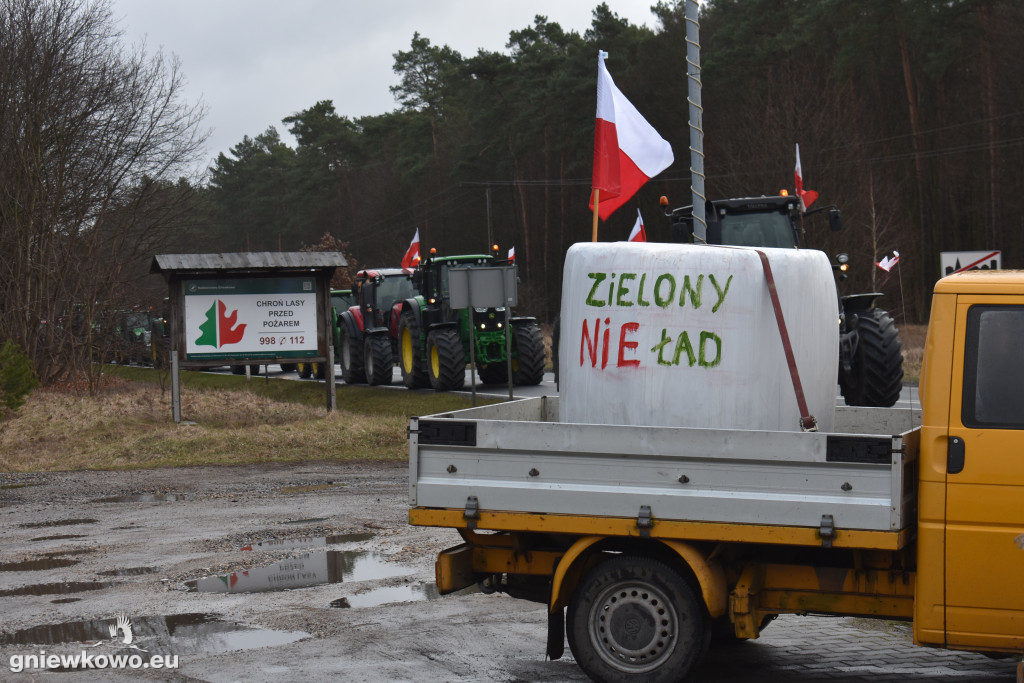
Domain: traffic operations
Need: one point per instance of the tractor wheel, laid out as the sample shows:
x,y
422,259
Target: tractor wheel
x,y
633,618
414,374
350,357
494,373
289,367
305,370
876,376
527,354
237,369
446,360
319,370
377,359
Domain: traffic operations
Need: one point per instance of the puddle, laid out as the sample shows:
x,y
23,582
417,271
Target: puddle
x,y
62,588
58,522
177,634
308,488
132,571
37,565
391,594
308,542
143,498
310,569
309,520
71,551
58,537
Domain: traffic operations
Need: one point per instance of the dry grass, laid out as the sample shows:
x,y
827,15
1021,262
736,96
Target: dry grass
x,y
128,424
912,339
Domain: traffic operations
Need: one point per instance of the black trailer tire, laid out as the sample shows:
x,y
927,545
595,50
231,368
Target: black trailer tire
x,y
527,354
237,369
305,370
876,375
414,373
446,360
319,370
350,357
377,360
289,367
633,618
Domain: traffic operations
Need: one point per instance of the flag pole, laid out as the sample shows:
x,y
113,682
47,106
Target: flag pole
x,y
594,231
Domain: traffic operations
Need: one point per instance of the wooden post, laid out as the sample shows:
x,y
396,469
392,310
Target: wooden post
x,y
594,232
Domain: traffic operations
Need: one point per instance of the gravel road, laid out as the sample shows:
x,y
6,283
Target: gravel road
x,y
310,572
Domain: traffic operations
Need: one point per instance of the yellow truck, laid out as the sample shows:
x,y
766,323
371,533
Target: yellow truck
x,y
642,542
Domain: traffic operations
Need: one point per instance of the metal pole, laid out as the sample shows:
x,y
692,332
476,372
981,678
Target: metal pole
x,y
700,223
490,231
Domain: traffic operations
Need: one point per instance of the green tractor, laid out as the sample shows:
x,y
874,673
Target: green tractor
x,y
434,339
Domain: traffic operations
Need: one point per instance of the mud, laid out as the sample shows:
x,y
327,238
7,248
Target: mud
x,y
376,616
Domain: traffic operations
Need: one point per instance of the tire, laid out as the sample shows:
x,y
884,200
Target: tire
x,y
527,354
289,367
414,372
494,373
446,360
305,370
876,375
350,357
635,619
319,370
237,369
377,359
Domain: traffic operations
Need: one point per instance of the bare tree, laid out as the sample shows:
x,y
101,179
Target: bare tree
x,y
94,137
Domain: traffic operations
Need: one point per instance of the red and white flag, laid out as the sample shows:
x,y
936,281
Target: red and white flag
x,y
639,234
627,150
412,256
887,263
511,254
807,197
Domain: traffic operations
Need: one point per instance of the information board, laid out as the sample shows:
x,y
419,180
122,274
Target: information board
x,y
250,318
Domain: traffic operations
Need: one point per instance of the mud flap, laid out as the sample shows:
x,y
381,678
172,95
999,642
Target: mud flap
x,y
556,634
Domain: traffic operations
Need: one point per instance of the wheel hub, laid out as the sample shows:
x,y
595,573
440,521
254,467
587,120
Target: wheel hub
x,y
634,628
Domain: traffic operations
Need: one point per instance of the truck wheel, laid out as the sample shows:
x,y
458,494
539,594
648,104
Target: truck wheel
x,y
377,359
289,367
305,370
876,376
635,619
319,370
527,354
350,357
446,360
414,374
237,369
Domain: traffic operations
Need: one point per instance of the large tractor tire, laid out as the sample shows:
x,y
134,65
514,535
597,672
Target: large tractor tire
x,y
876,375
446,360
350,357
377,359
414,374
527,354
633,618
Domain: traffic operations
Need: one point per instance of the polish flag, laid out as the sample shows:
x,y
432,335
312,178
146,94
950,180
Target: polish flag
x,y
511,254
412,256
887,263
638,234
807,197
627,150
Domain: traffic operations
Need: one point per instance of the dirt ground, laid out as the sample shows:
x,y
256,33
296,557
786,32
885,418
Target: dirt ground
x,y
336,586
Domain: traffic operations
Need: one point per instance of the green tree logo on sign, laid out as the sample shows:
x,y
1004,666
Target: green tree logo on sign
x,y
220,329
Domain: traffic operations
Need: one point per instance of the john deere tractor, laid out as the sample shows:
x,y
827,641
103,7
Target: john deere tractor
x,y
367,331
434,339
870,354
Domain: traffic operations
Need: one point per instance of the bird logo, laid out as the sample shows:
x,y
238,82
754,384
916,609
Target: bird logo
x,y
122,626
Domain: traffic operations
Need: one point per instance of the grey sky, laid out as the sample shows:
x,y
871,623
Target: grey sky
x,y
254,62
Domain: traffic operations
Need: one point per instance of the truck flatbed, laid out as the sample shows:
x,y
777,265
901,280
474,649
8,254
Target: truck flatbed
x,y
492,466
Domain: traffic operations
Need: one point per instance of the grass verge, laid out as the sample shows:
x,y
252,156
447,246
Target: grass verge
x,y
127,423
